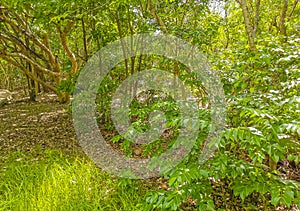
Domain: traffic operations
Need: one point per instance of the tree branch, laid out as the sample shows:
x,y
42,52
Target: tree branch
x,y
63,38
29,74
157,18
292,10
31,37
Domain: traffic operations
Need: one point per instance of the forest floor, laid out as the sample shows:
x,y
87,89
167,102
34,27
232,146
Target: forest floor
x,y
44,124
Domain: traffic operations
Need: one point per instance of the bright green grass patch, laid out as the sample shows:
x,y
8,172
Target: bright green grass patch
x,y
51,181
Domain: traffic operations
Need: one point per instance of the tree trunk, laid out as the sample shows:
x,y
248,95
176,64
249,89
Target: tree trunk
x,y
31,86
282,27
249,28
157,18
122,44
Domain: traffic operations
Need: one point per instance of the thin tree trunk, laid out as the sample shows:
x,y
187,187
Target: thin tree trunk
x,y
122,43
292,10
85,55
256,20
63,37
157,18
282,27
31,85
249,28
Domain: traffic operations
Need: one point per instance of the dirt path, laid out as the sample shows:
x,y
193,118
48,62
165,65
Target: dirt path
x,y
44,124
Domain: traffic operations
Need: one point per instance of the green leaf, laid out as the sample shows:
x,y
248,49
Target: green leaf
x,y
203,173
275,200
172,180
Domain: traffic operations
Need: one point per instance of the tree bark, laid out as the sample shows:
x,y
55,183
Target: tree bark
x,y
85,54
292,10
157,18
122,44
256,20
249,28
282,27
63,37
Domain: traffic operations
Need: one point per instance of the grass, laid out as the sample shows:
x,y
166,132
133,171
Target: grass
x,y
51,181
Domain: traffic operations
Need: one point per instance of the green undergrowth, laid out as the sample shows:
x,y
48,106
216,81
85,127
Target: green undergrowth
x,y
52,181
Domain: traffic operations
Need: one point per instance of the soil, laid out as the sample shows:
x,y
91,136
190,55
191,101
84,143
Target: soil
x,y
45,124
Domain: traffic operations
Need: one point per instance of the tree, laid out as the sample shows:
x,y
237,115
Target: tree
x,y
28,42
250,25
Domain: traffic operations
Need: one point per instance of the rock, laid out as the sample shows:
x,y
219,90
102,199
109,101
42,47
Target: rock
x,y
5,96
5,93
